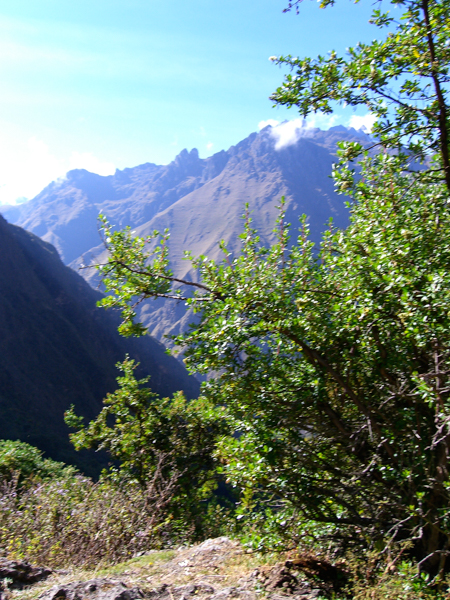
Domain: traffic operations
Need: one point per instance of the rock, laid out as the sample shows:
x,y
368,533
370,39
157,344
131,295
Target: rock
x,y
280,577
280,584
228,592
21,573
191,589
96,589
333,577
220,544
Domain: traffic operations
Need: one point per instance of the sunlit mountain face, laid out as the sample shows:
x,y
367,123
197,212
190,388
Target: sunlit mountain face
x,y
201,201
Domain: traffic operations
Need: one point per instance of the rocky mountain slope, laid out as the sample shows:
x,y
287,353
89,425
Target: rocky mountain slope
x,y
57,348
201,201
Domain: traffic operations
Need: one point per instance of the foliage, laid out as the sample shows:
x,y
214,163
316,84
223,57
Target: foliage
x,y
334,368
146,434
403,584
390,576
18,459
402,79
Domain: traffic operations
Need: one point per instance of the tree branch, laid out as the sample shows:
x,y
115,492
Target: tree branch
x,y
444,138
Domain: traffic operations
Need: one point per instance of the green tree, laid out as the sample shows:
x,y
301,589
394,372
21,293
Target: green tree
x,y
334,368
148,436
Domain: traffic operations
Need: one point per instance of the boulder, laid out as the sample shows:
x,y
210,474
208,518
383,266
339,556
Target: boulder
x,y
21,573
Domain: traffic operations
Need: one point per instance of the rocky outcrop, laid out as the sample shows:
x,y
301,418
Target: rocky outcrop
x,y
95,589
18,574
111,589
217,569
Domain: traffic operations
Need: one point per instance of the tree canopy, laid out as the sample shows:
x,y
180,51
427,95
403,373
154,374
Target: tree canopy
x,y
334,366
402,79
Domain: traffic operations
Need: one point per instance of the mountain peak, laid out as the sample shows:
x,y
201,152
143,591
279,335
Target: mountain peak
x,y
185,155
340,128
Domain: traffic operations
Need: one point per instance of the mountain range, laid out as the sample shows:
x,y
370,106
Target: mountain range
x,y
201,201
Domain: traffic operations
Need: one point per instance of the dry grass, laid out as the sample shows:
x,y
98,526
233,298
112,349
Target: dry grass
x,y
75,521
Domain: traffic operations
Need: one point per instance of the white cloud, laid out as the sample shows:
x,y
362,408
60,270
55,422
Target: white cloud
x,y
289,132
271,122
29,168
365,122
209,146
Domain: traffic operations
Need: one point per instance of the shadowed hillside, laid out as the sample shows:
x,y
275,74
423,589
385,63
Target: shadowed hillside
x,y
57,348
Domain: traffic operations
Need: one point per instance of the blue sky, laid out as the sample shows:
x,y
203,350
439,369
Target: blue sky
x,y
105,84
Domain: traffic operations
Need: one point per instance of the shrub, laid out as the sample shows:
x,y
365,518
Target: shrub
x,y
19,458
74,520
146,434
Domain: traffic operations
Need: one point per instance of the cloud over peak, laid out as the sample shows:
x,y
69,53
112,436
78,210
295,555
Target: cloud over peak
x,y
288,133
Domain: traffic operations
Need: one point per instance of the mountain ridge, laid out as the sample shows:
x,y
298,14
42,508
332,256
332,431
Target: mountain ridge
x,y
201,201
